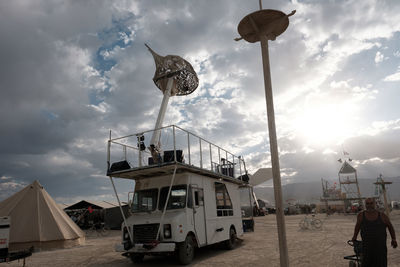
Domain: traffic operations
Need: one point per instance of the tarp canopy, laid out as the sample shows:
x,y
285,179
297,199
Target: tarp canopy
x,y
260,176
62,205
113,217
84,204
36,220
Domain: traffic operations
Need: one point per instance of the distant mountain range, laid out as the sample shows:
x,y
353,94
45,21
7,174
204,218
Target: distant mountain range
x,y
311,192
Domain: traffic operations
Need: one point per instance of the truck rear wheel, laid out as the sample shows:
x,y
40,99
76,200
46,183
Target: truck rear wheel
x,y
231,242
186,251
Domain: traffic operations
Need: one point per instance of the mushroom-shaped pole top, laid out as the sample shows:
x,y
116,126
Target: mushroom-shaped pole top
x,y
267,22
171,66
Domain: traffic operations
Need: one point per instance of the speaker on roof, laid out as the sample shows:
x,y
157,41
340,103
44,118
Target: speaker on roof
x,y
120,166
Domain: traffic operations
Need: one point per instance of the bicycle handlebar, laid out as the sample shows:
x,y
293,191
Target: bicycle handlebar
x,y
352,243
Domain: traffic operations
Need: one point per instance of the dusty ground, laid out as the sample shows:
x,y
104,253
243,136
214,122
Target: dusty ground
x,y
324,247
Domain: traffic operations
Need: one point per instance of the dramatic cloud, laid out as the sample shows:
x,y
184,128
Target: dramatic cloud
x,y
71,71
395,77
379,57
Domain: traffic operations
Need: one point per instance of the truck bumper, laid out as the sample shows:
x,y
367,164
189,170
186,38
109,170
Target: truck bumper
x,y
138,248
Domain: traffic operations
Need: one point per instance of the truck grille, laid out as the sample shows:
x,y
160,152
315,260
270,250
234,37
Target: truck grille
x,y
145,233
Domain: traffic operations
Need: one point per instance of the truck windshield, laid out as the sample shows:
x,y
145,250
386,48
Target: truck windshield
x,y
177,199
145,200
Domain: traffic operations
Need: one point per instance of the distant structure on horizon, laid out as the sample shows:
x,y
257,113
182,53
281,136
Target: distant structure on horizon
x,y
348,191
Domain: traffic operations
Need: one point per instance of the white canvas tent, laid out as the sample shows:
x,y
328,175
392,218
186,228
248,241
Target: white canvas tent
x,y
36,220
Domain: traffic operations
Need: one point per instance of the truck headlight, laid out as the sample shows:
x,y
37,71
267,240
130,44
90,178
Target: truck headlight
x,y
126,235
126,240
167,231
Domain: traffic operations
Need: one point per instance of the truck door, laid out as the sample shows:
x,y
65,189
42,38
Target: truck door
x,y
199,216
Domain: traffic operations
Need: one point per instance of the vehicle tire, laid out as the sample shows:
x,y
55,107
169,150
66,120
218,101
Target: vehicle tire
x,y
136,257
231,242
186,251
317,223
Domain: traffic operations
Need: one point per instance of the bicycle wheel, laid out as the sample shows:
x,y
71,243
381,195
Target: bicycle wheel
x,y
317,223
303,224
90,232
105,231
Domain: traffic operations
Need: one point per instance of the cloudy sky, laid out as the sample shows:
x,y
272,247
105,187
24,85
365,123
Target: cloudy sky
x,y
72,70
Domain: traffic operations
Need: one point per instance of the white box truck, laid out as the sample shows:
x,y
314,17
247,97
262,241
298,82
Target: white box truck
x,y
178,206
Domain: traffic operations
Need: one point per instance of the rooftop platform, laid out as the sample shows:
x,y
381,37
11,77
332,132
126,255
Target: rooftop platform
x,y
130,158
168,169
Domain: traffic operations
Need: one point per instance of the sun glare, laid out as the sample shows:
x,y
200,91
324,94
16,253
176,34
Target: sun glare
x,y
324,125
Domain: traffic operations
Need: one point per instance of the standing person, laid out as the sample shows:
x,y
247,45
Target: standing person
x,y
373,234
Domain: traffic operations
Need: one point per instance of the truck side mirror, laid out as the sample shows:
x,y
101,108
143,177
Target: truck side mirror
x,y
130,199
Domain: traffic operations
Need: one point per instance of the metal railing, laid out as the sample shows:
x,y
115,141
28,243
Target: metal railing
x,y
178,145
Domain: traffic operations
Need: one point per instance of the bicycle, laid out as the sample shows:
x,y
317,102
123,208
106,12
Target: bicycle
x,y
356,259
99,228
314,223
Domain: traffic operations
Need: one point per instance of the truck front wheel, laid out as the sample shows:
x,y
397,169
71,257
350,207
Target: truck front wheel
x,y
186,251
136,257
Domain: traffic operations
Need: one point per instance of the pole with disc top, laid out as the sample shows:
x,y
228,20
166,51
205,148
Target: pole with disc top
x,y
264,25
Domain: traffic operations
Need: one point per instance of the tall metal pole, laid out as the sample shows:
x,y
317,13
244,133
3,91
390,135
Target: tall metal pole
x,y
161,113
387,211
358,190
382,183
280,216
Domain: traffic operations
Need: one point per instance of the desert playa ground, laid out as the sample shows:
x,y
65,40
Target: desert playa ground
x,y
325,247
